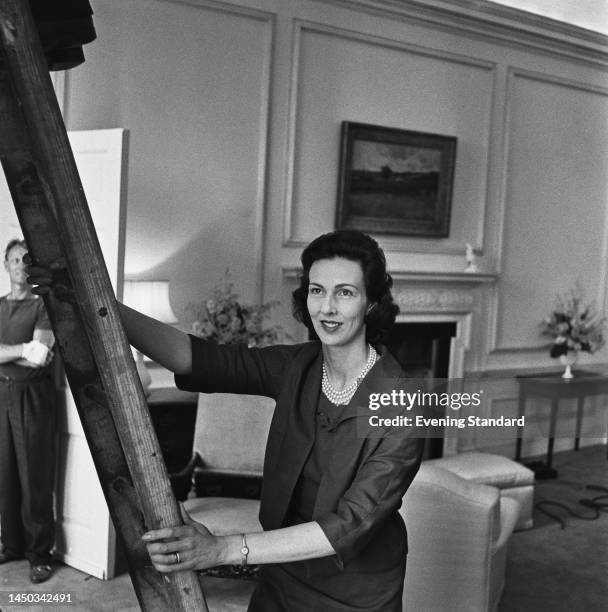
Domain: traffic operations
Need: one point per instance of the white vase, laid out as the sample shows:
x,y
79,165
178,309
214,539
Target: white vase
x,y
568,360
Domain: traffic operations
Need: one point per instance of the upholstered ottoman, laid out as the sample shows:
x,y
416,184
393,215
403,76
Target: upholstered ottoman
x,y
511,478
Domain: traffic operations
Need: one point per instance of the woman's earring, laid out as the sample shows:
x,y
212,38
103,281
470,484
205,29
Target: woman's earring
x,y
370,308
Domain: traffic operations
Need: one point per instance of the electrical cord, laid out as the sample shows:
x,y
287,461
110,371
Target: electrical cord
x,y
598,504
540,506
598,488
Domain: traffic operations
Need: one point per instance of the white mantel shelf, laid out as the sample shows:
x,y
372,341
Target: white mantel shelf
x,y
293,272
443,277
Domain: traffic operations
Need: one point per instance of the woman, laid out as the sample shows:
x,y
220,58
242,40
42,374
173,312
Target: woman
x,y
333,539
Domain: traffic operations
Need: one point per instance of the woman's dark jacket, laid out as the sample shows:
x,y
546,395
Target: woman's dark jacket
x,y
369,471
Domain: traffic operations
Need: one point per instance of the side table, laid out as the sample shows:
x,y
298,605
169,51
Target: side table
x,y
173,414
553,387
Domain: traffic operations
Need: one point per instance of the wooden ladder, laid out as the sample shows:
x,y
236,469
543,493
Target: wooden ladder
x,y
56,223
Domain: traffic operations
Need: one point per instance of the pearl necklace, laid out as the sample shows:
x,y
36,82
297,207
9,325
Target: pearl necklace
x,y
345,395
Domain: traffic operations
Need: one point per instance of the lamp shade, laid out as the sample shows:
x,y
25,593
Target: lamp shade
x,y
150,298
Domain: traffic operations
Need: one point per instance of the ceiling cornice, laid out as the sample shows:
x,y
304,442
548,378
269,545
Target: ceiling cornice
x,y
491,21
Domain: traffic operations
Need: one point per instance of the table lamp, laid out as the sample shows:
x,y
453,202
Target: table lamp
x,y
150,298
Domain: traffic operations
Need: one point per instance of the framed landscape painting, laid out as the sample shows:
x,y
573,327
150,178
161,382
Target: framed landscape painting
x,y
395,181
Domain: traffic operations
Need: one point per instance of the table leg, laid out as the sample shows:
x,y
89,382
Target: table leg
x,y
520,430
579,421
551,433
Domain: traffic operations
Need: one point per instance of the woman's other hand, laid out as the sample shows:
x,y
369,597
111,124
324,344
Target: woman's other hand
x,y
163,343
44,280
186,547
40,277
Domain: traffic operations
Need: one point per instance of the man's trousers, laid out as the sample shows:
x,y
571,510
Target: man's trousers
x,y
28,418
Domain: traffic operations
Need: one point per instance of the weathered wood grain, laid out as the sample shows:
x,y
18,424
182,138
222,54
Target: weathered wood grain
x,y
55,219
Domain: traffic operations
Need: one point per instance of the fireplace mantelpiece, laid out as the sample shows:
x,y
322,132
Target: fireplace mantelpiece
x,y
417,275
447,277
437,292
427,297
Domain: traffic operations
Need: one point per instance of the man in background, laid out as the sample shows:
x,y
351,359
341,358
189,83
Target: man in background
x,y
27,423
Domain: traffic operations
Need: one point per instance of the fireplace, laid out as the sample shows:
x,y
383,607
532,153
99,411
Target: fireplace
x,y
434,327
423,351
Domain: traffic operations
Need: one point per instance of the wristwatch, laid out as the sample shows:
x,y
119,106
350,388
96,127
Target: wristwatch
x,y
244,550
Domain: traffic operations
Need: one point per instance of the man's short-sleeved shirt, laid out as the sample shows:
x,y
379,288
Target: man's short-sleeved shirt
x,y
18,320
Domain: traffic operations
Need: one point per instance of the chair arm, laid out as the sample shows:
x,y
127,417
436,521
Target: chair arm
x,y
182,481
509,514
452,524
452,488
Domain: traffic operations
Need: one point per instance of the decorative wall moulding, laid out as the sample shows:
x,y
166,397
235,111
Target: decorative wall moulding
x,y
392,241
492,21
431,300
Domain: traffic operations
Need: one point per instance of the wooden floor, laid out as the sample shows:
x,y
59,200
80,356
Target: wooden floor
x,y
90,594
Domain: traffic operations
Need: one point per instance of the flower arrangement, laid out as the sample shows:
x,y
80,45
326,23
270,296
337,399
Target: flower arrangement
x,y
574,325
225,320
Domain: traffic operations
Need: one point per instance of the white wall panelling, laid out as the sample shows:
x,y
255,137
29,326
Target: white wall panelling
x,y
235,108
554,155
193,87
343,75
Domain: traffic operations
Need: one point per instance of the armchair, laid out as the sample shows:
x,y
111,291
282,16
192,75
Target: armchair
x,y
457,536
230,438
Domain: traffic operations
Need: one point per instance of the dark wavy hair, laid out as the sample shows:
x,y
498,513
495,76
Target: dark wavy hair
x,y
359,247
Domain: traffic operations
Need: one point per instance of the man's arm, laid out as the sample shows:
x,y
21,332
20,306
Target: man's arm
x,y
46,336
10,353
13,353
162,343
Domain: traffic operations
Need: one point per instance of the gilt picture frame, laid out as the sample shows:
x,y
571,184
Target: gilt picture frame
x,y
395,181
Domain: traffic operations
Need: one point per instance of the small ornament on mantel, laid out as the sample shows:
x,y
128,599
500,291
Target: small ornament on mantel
x,y
471,255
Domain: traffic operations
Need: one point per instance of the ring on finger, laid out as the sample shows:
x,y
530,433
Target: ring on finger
x,y
177,559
